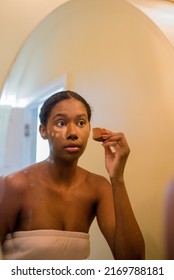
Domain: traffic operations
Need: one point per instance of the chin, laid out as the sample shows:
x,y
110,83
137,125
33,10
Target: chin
x,y
73,157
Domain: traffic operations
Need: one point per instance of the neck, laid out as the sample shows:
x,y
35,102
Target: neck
x,y
64,171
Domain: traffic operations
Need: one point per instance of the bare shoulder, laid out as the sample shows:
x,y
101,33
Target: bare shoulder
x,y
99,183
12,187
14,181
94,178
13,190
18,181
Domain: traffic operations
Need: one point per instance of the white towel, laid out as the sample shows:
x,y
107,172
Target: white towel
x,y
46,245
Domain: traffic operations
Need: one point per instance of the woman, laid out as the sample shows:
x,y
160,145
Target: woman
x,y
46,209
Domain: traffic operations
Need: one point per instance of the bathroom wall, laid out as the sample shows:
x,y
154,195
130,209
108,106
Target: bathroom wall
x,y
18,19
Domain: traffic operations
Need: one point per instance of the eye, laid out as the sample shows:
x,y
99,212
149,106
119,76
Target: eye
x,y
61,123
81,123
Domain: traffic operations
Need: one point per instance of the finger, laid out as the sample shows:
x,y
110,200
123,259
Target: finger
x,y
112,146
113,141
116,137
119,146
108,151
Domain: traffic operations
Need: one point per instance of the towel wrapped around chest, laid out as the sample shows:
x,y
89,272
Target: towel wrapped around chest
x,y
46,245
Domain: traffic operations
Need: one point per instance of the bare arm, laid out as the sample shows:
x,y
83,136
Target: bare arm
x,y
169,220
129,242
10,203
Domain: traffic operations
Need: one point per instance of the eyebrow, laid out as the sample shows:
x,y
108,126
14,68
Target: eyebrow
x,y
64,116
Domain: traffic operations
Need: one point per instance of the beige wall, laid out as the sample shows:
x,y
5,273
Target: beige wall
x,y
123,65
18,18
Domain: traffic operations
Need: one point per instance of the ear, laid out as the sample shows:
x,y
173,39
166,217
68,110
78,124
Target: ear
x,y
43,131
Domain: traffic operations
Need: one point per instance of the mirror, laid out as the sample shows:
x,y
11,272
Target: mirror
x,y
122,64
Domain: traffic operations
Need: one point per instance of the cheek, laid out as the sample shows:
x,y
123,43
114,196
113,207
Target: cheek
x,y
60,132
86,134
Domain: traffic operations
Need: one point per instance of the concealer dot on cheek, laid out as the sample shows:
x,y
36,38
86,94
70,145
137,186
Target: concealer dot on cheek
x,y
64,133
60,132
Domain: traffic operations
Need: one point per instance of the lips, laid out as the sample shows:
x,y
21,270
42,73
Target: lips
x,y
72,147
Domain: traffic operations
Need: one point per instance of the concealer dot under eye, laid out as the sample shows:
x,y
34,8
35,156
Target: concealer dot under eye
x,y
59,128
60,132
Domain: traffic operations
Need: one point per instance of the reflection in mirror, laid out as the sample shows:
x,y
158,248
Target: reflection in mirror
x,y
39,209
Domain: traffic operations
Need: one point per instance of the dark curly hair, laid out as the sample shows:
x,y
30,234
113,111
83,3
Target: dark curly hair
x,y
57,97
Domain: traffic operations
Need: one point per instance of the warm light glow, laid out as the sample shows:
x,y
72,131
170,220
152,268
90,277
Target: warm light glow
x,y
8,100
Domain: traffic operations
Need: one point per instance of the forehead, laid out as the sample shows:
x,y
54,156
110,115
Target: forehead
x,y
69,107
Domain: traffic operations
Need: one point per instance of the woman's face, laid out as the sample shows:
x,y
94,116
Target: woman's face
x,y
67,130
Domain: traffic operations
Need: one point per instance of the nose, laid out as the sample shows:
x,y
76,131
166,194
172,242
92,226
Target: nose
x,y
72,132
